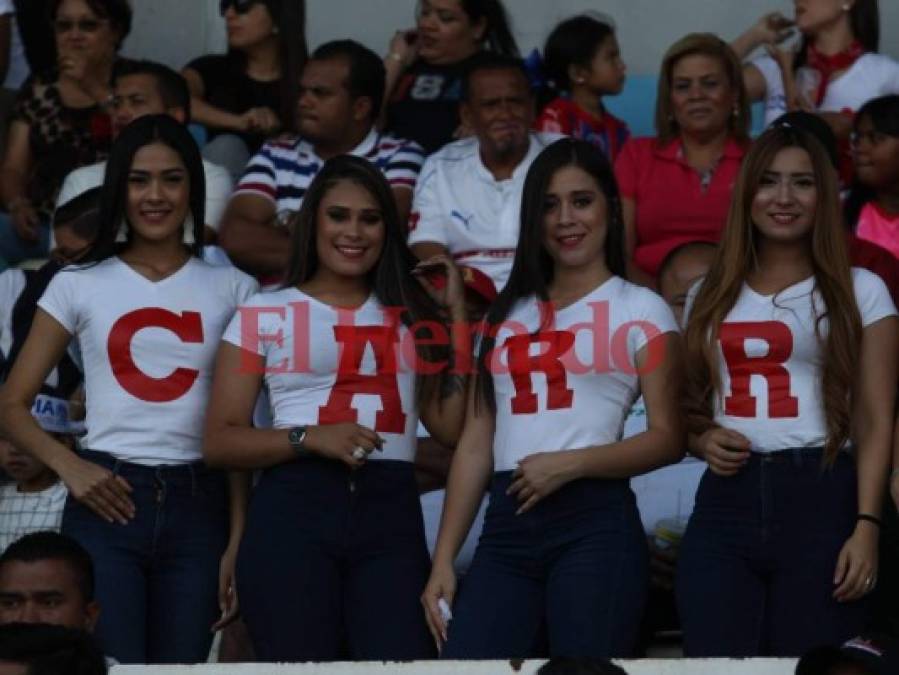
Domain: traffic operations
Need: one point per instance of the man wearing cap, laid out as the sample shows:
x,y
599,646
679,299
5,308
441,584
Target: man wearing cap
x,y
468,197
34,501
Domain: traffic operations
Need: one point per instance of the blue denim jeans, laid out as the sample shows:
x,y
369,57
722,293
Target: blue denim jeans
x,y
756,566
568,578
157,576
333,563
14,249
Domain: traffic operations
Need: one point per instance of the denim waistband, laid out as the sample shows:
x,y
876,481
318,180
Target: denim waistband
x,y
190,472
805,456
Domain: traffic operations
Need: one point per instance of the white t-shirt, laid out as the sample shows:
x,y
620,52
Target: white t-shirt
x,y
12,283
590,387
769,360
218,188
459,204
872,75
18,69
148,350
326,365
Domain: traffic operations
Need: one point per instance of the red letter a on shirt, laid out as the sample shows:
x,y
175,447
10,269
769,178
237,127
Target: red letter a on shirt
x,y
549,362
741,366
350,382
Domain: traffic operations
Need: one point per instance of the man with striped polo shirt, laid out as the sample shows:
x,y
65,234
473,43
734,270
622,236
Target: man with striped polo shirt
x,y
340,98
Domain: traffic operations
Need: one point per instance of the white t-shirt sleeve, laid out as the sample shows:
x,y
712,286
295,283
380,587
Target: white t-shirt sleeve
x,y
653,319
871,296
429,218
60,300
218,191
255,325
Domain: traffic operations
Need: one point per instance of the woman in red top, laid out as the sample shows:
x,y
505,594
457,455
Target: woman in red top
x,y
676,187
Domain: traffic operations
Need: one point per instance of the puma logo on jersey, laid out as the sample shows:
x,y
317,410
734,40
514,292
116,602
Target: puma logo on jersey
x,y
465,221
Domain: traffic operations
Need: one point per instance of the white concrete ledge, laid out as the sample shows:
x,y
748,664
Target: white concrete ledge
x,y
641,667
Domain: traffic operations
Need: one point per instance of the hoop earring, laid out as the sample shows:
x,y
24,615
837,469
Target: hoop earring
x,y
188,236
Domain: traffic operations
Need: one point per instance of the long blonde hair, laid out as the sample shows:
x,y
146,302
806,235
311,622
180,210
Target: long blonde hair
x,y
737,257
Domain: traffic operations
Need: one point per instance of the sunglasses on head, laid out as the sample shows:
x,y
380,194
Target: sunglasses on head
x,y
240,6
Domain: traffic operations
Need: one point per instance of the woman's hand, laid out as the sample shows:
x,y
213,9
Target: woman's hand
x,y
724,450
99,489
441,586
24,219
441,278
539,475
346,442
227,588
772,29
856,572
263,120
403,49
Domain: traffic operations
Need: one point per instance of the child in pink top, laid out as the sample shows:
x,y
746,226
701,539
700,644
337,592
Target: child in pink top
x,y
873,204
583,64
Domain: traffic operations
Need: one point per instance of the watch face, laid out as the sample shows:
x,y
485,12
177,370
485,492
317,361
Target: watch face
x,y
296,436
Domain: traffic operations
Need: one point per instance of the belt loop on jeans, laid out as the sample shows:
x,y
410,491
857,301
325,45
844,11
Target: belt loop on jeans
x,y
116,466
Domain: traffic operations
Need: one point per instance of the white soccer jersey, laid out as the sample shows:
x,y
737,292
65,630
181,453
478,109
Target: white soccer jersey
x,y
148,350
326,365
459,204
571,385
770,358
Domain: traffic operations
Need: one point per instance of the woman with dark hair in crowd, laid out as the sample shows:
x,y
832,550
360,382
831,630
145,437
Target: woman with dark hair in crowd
x,y
791,374
675,188
872,208
582,63
425,66
147,313
249,94
60,122
562,561
835,70
334,555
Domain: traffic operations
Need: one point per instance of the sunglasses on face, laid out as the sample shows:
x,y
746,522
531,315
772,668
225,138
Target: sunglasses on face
x,y
83,25
240,6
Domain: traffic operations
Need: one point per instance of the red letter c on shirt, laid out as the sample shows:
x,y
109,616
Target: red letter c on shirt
x,y
187,326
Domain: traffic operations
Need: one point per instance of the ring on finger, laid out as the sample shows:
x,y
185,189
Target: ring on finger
x,y
359,453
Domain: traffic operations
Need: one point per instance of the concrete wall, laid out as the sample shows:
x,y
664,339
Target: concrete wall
x,y
174,31
647,667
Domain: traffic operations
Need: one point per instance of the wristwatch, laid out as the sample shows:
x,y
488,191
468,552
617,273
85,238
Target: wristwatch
x,y
295,437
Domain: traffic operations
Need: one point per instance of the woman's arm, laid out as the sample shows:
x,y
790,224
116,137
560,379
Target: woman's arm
x,y
207,114
659,363
98,488
468,478
444,415
17,164
238,498
400,55
634,273
230,440
872,431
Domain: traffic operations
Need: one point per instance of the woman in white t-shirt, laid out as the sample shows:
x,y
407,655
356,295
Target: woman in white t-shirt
x,y
562,564
147,314
835,69
351,351
791,372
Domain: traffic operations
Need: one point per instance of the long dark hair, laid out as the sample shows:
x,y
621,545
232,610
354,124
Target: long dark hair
x,y
389,279
289,16
574,41
883,113
114,195
498,36
533,268
864,19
